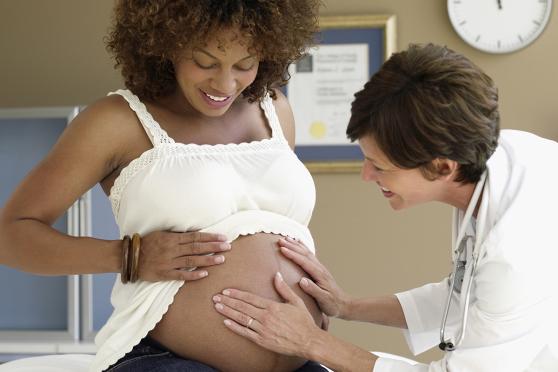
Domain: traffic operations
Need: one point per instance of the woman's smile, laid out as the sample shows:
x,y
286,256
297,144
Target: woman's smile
x,y
215,101
213,74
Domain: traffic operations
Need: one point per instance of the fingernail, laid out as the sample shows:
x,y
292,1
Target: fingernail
x,y
226,292
219,259
227,322
291,239
279,276
219,306
203,274
225,247
304,281
221,237
216,298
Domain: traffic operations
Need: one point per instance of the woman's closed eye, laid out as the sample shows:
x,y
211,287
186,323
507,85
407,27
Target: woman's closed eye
x,y
241,67
205,66
246,66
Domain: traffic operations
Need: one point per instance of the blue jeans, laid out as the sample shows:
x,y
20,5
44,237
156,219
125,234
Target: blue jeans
x,y
150,356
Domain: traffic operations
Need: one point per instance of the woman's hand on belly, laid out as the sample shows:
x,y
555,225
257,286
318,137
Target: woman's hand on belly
x,y
287,328
179,256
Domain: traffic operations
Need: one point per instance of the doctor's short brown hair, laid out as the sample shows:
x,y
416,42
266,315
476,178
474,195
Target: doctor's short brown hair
x,y
147,34
429,102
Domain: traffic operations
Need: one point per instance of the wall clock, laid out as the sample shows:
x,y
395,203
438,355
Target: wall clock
x,y
499,26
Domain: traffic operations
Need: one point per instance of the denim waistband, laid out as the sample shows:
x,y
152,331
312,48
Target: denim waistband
x,y
148,341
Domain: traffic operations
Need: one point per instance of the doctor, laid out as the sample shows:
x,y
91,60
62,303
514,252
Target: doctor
x,y
428,125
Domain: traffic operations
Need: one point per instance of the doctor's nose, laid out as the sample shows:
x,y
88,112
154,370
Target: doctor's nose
x,y
368,172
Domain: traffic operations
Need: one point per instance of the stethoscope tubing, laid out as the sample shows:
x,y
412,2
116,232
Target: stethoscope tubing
x,y
448,345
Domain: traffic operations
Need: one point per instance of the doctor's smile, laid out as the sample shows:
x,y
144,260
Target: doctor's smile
x,y
387,193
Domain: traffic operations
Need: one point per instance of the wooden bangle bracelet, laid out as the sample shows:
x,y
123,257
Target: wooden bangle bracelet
x,y
124,272
136,247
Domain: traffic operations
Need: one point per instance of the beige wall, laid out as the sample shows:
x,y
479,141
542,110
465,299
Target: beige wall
x,y
51,53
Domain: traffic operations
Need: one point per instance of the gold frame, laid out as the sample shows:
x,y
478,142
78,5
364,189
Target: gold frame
x,y
387,23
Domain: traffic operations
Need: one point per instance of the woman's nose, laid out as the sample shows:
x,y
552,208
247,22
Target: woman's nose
x,y
225,82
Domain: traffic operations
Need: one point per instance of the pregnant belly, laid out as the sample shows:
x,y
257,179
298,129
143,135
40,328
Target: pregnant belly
x,y
192,328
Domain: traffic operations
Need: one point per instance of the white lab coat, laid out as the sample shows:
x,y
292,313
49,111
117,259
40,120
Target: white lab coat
x,y
513,313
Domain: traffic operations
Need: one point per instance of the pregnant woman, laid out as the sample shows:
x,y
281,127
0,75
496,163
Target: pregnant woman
x,y
196,158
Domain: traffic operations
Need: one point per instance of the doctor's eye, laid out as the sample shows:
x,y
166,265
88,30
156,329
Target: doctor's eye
x,y
377,169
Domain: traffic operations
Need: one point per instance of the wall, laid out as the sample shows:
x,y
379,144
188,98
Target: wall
x,y
52,54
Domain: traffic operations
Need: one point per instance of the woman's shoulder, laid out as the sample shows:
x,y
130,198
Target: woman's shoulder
x,y
108,118
111,126
285,115
107,110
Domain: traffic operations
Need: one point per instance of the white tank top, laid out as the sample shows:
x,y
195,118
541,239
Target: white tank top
x,y
232,189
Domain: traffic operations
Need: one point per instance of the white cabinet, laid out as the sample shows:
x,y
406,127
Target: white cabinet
x,y
41,314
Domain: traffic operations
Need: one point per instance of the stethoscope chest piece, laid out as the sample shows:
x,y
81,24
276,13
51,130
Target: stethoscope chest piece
x,y
446,346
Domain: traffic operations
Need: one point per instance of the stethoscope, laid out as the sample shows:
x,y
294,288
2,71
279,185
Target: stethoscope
x,y
464,249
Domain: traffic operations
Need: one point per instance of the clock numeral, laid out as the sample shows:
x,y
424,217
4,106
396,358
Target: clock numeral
x,y
520,38
457,2
536,22
543,1
478,38
499,44
462,23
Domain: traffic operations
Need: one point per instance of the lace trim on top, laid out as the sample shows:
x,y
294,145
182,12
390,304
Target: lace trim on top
x,y
271,115
156,134
165,145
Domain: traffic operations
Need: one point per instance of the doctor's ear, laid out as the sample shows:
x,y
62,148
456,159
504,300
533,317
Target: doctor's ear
x,y
443,169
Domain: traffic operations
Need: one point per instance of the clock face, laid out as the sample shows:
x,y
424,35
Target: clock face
x,y
499,26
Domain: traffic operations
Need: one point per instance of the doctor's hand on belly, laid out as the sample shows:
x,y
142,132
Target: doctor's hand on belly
x,y
287,327
179,256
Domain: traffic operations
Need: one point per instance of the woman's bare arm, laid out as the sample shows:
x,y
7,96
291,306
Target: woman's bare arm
x,y
99,141
86,152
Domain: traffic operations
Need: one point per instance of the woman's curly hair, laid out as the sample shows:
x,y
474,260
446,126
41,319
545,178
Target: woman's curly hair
x,y
147,34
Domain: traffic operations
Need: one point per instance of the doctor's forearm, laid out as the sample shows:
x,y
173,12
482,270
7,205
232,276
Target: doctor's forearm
x,y
339,355
384,310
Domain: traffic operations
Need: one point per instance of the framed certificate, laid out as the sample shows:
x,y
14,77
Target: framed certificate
x,y
323,83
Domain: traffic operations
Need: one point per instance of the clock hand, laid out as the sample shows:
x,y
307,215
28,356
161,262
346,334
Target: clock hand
x,y
500,4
